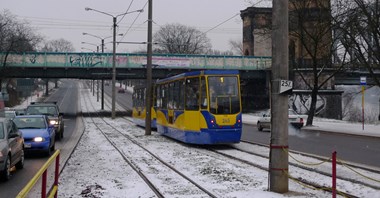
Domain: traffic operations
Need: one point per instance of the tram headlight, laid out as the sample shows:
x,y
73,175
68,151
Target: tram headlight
x,y
53,122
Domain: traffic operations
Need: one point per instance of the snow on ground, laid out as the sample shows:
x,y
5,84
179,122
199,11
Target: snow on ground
x,y
96,169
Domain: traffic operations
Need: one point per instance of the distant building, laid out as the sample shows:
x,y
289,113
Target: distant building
x,y
257,22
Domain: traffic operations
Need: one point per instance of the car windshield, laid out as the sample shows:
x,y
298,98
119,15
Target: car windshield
x,y
30,123
1,130
42,110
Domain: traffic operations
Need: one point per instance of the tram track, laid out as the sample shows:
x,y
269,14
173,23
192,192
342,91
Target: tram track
x,y
298,179
119,141
226,152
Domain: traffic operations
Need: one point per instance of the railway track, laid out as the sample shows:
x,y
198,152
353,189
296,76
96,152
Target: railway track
x,y
229,151
120,141
263,166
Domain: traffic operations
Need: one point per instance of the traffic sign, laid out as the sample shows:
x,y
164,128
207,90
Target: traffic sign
x,y
363,80
285,85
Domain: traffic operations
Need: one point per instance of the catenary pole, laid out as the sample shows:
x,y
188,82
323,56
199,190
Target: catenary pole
x,y
148,94
113,113
278,162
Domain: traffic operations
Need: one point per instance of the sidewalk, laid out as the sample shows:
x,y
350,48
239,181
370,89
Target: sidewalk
x,y
329,125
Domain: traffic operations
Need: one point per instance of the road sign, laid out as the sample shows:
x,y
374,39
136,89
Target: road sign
x,y
285,86
363,80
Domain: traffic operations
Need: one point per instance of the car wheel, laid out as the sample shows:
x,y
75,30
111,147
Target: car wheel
x,y
6,173
20,164
259,127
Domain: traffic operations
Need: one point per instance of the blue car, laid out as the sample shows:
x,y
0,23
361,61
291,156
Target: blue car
x,y
38,134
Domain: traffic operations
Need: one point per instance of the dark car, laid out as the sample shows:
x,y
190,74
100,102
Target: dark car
x,y
51,110
38,134
11,148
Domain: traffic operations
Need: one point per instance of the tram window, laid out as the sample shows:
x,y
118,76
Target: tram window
x,y
158,96
203,94
171,100
224,97
164,96
176,96
181,98
192,94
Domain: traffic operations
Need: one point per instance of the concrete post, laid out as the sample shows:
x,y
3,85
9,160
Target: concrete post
x,y
278,158
148,98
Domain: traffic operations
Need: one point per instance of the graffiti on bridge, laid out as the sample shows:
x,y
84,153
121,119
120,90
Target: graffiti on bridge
x,y
86,60
301,103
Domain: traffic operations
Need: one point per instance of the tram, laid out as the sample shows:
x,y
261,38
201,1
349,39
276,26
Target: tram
x,y
200,107
139,107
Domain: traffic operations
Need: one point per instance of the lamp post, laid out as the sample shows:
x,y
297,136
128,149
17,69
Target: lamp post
x,y
83,48
102,44
101,38
97,46
114,53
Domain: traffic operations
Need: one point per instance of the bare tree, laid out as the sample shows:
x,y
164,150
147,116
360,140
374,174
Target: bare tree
x,y
16,36
181,39
58,45
361,31
236,46
313,43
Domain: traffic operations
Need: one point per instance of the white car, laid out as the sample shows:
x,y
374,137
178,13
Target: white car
x,y
295,120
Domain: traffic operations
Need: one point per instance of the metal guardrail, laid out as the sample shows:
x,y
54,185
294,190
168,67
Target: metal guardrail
x,y
104,60
43,172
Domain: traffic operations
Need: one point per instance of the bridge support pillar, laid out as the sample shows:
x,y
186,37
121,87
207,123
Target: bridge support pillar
x,y
47,87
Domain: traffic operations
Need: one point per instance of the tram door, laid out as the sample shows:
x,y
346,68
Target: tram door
x,y
192,104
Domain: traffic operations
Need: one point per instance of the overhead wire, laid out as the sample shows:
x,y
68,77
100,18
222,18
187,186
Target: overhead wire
x,y
125,12
228,19
130,27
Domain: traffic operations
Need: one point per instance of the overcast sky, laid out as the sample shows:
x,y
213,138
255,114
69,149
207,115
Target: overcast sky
x,y
68,19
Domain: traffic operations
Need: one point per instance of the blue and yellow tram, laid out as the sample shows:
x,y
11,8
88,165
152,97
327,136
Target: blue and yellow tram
x,y
139,107
200,107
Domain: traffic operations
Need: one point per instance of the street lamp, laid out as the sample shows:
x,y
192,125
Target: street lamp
x,y
97,46
101,38
114,53
83,48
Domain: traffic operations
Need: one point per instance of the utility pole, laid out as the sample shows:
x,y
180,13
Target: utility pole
x,y
113,102
102,105
148,93
278,158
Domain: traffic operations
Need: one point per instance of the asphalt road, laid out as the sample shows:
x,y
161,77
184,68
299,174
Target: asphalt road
x,y
356,149
67,97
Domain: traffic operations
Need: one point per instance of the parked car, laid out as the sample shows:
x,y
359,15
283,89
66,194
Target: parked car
x,y
10,114
11,148
295,120
51,110
39,134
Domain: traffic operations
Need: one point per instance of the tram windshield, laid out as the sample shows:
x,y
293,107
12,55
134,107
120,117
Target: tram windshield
x,y
224,95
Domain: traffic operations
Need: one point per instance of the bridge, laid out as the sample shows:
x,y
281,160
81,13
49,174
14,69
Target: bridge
x,y
128,66
132,66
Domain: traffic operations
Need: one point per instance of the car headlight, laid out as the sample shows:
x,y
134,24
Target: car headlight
x,y
38,139
53,122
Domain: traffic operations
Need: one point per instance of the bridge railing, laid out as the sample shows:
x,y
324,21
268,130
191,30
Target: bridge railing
x,y
104,60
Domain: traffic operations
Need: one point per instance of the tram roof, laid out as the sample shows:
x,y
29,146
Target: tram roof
x,y
199,73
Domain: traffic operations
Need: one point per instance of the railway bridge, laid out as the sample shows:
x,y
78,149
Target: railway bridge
x,y
254,71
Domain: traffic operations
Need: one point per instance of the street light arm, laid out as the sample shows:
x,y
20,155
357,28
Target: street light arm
x,y
90,44
85,33
90,9
141,10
